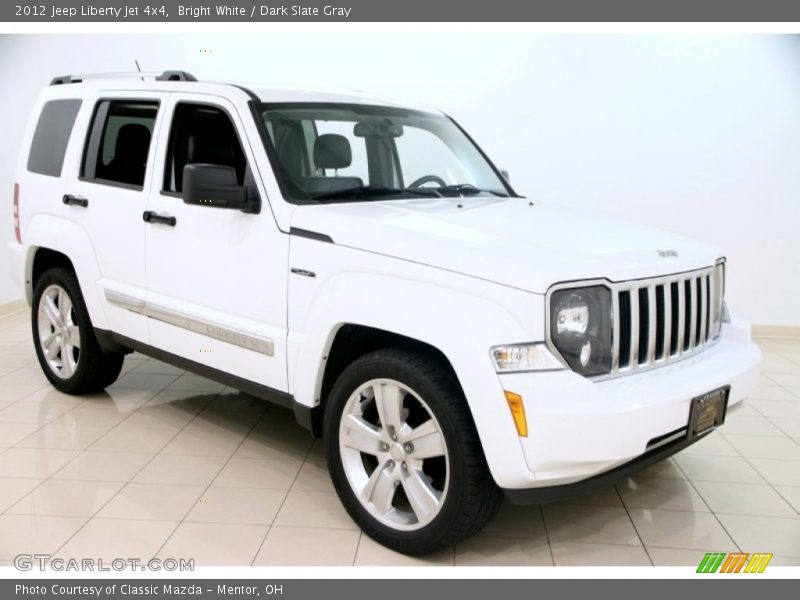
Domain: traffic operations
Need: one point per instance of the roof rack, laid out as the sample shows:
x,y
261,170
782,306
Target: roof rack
x,y
156,75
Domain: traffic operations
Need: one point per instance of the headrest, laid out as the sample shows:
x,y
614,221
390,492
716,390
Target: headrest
x,y
133,143
332,151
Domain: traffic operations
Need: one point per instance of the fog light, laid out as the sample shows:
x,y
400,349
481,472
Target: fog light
x,y
517,412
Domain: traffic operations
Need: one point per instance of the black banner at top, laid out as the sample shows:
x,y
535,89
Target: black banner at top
x,y
154,11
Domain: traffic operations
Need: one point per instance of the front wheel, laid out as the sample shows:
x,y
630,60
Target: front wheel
x,y
404,455
66,346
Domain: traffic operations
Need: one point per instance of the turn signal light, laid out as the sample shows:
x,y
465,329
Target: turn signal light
x,y
518,412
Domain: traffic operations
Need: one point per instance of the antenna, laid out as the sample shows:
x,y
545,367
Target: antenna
x,y
138,68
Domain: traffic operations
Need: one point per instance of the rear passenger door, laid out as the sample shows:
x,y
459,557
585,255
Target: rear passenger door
x,y
109,197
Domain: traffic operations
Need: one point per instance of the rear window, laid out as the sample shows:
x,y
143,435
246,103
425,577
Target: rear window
x,y
52,136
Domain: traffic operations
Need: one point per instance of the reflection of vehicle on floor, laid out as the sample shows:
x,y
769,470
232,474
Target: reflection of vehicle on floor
x,y
365,264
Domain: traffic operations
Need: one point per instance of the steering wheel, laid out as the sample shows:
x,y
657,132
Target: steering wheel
x,y
428,179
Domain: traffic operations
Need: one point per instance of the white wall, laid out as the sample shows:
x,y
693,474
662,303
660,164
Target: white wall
x,y
698,134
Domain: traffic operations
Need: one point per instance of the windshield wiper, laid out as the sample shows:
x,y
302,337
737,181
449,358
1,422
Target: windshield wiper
x,y
467,189
462,189
376,190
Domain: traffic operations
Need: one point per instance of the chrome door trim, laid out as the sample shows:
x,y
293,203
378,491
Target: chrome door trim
x,y
125,301
210,329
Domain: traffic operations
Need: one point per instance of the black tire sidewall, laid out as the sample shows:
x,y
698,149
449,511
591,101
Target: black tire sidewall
x,y
66,280
430,536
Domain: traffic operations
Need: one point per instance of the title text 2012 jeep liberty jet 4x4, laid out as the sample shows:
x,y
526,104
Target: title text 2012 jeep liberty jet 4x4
x,y
365,264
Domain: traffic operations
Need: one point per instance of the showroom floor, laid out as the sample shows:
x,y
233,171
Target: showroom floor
x,y
172,465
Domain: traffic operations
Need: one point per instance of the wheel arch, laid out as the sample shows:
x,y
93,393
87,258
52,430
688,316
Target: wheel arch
x,y
55,242
351,341
44,259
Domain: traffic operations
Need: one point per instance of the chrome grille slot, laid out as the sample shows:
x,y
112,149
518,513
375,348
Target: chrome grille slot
x,y
644,322
690,292
662,319
706,309
623,352
700,325
675,317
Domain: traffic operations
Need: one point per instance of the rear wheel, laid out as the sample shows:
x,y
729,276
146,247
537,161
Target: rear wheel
x,y
66,346
404,455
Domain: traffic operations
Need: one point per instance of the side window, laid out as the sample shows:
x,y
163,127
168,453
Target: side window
x,y
202,134
51,137
119,142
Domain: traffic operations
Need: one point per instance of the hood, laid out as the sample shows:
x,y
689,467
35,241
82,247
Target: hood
x,y
506,240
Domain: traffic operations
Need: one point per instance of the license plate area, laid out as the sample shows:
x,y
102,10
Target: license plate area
x,y
708,412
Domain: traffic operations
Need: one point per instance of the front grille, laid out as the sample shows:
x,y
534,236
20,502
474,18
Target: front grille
x,y
659,320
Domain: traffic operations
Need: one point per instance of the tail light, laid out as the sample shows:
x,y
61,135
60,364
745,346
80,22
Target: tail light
x,y
17,233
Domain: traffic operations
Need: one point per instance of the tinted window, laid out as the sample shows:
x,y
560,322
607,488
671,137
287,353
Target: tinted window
x,y
202,134
118,146
52,136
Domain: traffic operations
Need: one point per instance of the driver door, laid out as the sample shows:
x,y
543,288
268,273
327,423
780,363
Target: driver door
x,y
216,277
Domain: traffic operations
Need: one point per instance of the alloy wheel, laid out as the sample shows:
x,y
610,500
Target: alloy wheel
x,y
59,336
394,454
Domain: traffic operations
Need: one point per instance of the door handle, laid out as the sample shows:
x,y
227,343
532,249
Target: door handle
x,y
150,216
71,200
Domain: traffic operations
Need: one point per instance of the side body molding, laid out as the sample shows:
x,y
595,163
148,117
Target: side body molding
x,y
214,330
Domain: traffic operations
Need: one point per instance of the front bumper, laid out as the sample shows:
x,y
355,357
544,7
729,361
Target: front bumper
x,y
579,429
556,493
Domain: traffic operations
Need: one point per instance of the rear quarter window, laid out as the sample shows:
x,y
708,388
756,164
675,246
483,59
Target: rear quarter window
x,y
51,137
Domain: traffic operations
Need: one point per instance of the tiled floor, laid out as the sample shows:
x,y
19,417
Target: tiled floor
x,y
170,464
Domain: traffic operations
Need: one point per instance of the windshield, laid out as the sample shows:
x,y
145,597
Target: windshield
x,y
351,152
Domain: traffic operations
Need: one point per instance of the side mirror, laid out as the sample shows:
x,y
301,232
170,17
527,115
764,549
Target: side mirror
x,y
215,185
506,175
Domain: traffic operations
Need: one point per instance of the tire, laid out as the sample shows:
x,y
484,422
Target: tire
x,y
434,500
66,346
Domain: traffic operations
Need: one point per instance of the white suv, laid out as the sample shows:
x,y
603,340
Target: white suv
x,y
364,264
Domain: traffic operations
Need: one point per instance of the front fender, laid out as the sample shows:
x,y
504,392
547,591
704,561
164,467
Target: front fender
x,y
64,236
461,317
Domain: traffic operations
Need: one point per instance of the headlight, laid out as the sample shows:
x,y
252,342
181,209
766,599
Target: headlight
x,y
580,328
524,357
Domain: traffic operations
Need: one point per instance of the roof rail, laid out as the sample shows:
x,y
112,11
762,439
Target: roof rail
x,y
156,75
